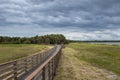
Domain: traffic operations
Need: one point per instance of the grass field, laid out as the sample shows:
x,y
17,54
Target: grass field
x,y
89,62
10,52
103,56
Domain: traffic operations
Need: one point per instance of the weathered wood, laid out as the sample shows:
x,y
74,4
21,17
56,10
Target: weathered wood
x,y
47,60
6,74
43,74
49,70
6,69
44,66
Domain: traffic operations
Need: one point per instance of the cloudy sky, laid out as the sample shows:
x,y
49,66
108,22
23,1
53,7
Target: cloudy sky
x,y
76,19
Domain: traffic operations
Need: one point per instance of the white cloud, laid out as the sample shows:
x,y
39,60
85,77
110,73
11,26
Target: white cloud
x,y
95,35
76,19
15,19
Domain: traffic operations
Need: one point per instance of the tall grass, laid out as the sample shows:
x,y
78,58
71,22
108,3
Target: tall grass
x,y
10,52
103,56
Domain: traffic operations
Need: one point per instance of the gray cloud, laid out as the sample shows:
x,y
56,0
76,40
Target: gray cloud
x,y
76,19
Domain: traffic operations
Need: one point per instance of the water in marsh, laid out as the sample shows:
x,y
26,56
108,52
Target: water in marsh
x,y
110,43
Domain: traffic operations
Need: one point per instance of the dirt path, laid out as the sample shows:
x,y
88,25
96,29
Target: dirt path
x,y
71,68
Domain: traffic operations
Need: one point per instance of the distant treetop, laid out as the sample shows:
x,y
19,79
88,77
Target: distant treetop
x,y
46,39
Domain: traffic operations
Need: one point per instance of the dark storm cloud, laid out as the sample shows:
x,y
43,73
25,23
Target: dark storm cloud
x,y
82,19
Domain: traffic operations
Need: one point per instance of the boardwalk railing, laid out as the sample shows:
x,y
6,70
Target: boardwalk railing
x,y
41,66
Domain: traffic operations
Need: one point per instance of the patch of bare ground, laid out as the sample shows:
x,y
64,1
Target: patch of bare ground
x,y
72,68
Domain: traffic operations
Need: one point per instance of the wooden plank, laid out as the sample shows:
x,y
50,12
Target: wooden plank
x,y
10,77
43,74
6,75
37,77
20,72
6,70
6,65
18,67
42,66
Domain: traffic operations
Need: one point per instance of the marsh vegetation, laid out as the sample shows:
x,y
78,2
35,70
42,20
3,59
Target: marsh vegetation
x,y
82,61
10,52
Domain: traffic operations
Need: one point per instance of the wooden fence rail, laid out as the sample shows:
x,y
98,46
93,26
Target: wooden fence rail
x,y
40,66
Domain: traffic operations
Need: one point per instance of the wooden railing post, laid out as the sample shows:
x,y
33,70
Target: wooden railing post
x,y
25,61
49,71
18,69
42,57
55,63
52,68
15,70
43,73
32,61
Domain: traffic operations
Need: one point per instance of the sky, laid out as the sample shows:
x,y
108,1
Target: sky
x,y
76,19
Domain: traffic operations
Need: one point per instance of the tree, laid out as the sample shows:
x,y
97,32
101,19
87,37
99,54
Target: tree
x,y
46,39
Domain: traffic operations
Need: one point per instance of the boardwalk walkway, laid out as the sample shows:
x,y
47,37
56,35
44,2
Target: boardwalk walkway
x,y
41,66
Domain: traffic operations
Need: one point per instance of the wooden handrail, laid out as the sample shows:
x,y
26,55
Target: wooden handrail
x,y
15,69
32,75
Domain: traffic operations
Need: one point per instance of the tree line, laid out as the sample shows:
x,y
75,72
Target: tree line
x,y
71,41
46,39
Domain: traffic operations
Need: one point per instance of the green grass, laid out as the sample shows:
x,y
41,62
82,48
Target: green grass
x,y
10,52
102,56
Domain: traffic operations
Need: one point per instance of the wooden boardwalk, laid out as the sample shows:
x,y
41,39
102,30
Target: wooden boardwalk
x,y
41,66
